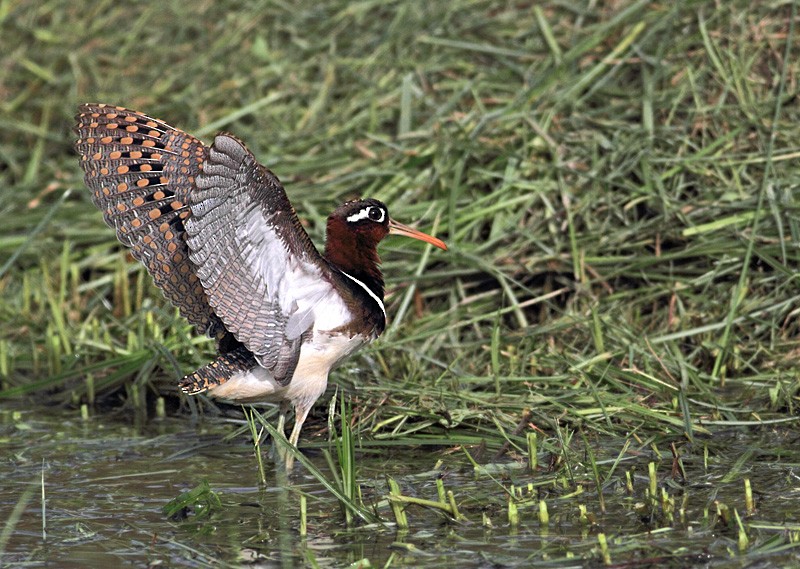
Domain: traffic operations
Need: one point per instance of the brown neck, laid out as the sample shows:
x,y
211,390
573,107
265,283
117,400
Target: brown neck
x,y
354,253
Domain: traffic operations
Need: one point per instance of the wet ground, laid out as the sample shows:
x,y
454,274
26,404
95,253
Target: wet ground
x,y
105,484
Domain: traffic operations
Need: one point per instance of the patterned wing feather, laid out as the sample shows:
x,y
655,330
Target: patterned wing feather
x,y
141,172
262,274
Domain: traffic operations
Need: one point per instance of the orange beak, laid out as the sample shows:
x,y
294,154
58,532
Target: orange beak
x,y
396,228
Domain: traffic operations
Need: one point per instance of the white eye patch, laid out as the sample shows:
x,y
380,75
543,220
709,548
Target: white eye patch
x,y
376,214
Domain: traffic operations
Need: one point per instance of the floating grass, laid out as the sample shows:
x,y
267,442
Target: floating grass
x,y
750,507
201,501
398,509
604,551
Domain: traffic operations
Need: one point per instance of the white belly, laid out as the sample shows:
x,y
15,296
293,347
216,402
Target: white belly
x,y
310,378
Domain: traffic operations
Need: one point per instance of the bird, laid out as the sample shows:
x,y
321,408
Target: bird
x,y
220,238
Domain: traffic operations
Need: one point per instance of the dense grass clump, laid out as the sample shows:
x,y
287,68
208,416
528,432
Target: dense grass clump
x,y
616,182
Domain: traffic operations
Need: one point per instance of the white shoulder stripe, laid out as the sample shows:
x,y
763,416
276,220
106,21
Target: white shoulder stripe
x,y
369,292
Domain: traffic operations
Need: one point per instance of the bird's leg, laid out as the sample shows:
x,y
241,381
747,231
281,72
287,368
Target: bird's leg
x,y
277,449
300,414
282,416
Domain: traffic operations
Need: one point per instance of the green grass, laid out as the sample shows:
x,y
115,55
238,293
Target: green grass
x,y
617,190
616,182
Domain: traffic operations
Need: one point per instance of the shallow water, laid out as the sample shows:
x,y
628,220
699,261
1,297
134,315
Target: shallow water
x,y
106,482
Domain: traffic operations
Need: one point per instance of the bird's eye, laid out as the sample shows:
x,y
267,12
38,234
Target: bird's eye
x,y
375,214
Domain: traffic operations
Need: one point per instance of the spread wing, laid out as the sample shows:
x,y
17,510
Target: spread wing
x,y
141,172
261,272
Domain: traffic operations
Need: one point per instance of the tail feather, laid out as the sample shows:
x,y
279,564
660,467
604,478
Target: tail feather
x,y
219,371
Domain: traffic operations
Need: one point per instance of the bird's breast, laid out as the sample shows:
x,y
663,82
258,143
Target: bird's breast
x,y
347,310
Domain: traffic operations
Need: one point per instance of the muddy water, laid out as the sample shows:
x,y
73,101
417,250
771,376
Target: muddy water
x,y
105,484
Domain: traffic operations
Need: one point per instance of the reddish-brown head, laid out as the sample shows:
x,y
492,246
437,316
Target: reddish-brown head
x,y
354,230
